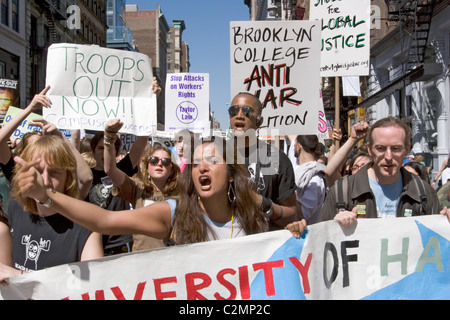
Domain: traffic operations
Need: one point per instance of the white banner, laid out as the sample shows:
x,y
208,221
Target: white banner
x,y
345,36
279,61
187,102
402,258
91,84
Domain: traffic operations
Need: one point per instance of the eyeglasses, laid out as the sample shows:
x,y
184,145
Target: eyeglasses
x,y
246,110
394,149
356,167
155,160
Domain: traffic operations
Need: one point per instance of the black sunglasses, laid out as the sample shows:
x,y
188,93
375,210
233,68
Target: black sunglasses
x,y
246,110
155,160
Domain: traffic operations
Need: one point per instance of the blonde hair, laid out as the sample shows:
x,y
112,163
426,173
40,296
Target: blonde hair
x,y
54,151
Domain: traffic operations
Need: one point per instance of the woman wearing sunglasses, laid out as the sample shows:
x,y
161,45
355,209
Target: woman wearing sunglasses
x,y
155,181
216,202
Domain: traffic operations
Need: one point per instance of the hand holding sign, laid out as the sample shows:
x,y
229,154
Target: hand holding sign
x,y
346,218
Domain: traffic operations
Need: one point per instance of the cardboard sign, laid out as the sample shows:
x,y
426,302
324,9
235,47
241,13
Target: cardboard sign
x,y
91,84
345,36
279,61
24,127
187,102
400,258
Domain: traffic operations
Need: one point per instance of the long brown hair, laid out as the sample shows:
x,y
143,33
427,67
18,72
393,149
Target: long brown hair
x,y
54,151
189,224
171,187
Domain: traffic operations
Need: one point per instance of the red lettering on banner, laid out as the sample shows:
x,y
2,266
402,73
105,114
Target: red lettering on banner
x,y
244,283
303,270
192,288
158,291
226,284
100,294
196,281
268,274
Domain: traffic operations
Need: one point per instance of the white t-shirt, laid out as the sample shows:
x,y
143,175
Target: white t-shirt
x,y
230,229
445,176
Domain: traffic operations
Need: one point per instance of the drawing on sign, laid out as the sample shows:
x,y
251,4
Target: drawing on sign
x,y
187,112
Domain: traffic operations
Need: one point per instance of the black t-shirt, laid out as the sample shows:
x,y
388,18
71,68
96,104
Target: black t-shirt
x,y
276,179
8,168
100,194
272,170
40,243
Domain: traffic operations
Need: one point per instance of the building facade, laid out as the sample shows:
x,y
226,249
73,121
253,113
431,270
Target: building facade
x,y
177,49
118,35
409,77
409,70
29,27
150,30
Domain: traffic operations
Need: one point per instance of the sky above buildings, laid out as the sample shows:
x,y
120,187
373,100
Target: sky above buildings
x,y
208,36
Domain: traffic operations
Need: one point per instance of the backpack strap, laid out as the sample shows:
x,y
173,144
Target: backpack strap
x,y
341,193
423,197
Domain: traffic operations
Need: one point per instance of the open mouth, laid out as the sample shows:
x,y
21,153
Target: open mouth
x,y
239,126
205,182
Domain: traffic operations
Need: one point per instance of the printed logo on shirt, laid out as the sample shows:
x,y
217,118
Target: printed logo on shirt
x,y
33,250
260,183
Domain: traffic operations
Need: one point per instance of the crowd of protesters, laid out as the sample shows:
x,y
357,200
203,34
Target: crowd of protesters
x,y
72,200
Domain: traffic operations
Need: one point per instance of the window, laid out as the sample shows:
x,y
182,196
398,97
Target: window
x,y
4,12
15,15
2,69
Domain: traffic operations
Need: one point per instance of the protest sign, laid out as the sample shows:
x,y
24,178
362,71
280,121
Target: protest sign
x,y
187,102
90,85
401,258
279,61
24,127
9,95
345,49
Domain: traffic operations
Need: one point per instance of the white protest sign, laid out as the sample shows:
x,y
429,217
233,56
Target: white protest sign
x,y
187,102
91,84
279,61
345,36
401,258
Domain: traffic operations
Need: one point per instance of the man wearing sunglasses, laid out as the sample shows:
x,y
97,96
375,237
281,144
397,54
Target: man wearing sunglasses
x,y
383,189
268,166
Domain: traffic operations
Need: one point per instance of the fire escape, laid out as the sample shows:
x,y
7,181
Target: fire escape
x,y
41,37
415,17
414,21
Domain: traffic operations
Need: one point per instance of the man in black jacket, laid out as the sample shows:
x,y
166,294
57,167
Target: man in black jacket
x,y
383,189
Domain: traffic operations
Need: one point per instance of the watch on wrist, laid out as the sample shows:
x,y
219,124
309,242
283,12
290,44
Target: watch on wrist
x,y
49,202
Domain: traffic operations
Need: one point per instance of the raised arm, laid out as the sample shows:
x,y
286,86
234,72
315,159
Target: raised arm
x,y
39,100
117,176
358,132
153,220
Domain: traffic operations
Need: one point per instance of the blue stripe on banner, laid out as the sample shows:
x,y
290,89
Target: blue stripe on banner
x,y
287,280
431,278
